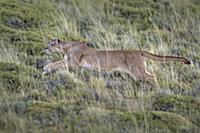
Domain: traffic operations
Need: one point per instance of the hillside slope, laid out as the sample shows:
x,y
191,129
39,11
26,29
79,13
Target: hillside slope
x,y
67,101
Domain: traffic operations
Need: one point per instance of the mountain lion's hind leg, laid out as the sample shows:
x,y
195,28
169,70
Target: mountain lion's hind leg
x,y
148,75
139,73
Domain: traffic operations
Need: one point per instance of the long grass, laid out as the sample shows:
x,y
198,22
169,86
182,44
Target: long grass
x,y
109,101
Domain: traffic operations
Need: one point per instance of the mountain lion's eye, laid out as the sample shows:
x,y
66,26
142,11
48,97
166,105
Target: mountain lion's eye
x,y
52,44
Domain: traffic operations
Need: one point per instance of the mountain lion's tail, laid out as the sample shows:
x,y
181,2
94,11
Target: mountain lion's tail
x,y
164,58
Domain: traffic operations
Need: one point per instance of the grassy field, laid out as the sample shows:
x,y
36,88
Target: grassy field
x,y
109,102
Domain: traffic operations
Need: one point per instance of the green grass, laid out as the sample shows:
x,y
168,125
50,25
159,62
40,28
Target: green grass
x,y
109,102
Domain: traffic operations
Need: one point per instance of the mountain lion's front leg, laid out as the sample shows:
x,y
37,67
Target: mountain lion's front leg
x,y
73,58
52,67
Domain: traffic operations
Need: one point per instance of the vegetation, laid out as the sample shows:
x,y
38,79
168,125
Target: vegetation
x,y
90,101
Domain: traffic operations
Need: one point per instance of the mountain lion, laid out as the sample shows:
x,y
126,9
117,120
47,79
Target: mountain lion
x,y
81,54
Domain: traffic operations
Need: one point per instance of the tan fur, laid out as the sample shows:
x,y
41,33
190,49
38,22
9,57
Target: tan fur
x,y
129,61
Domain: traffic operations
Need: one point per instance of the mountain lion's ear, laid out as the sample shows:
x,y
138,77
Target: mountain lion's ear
x,y
59,41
